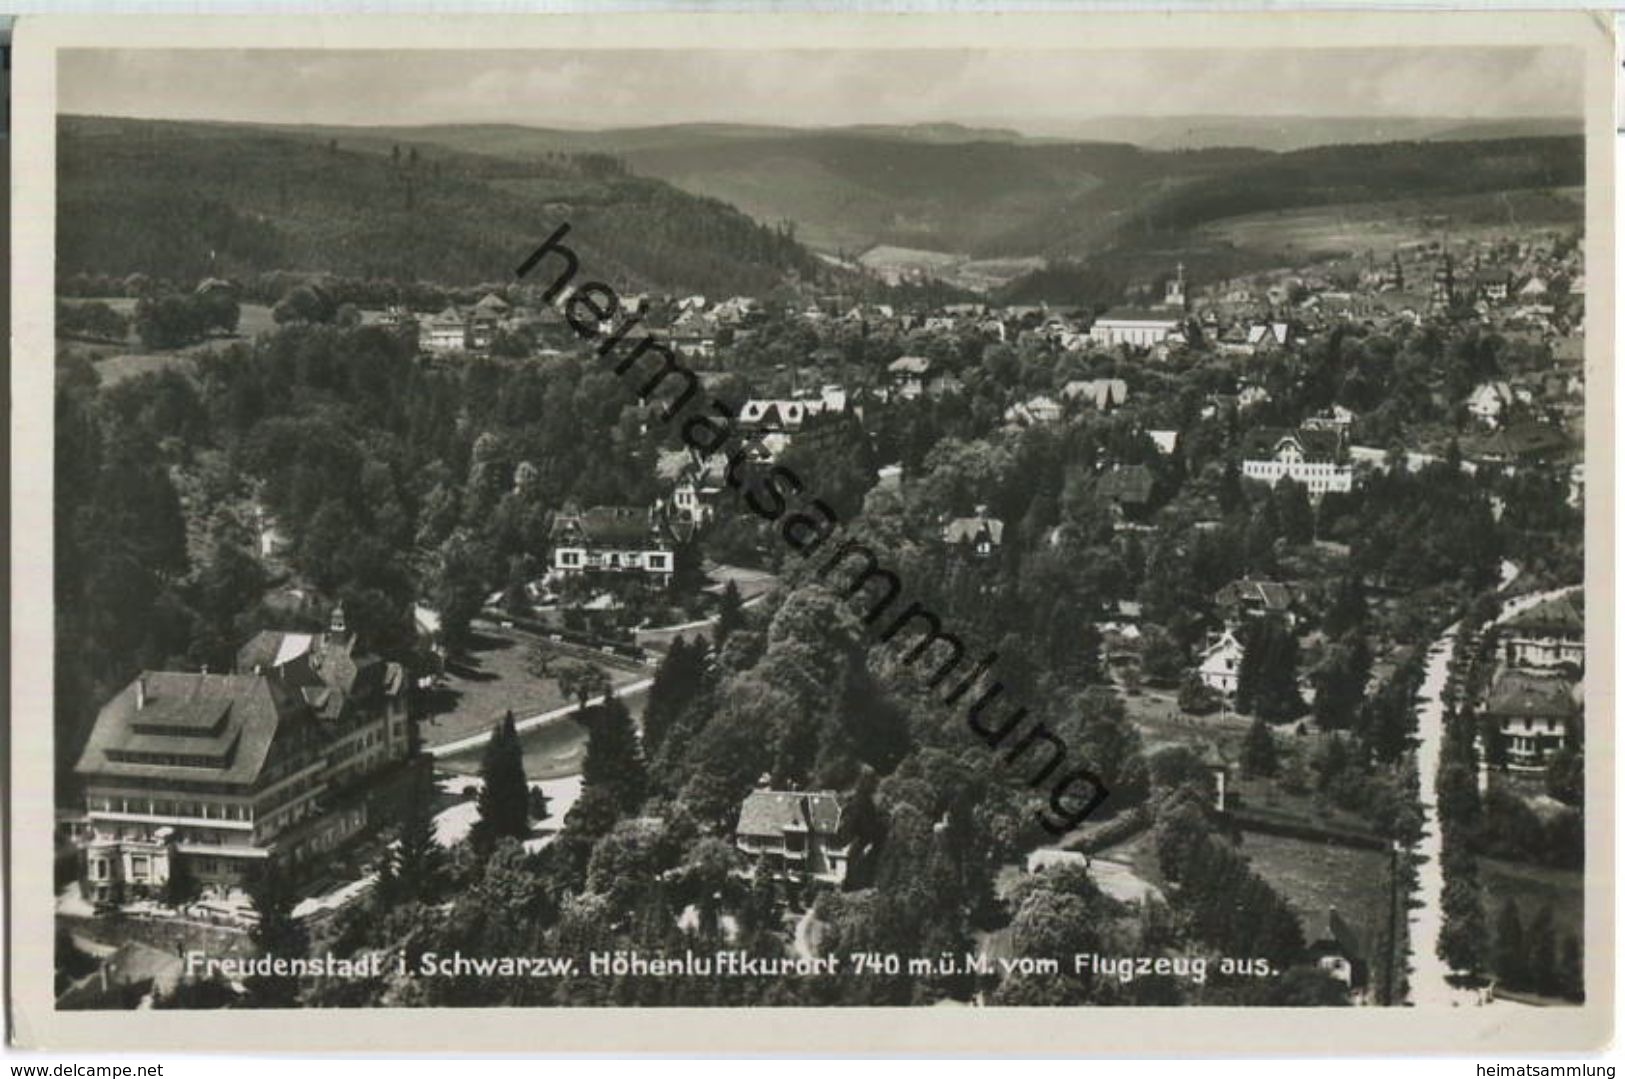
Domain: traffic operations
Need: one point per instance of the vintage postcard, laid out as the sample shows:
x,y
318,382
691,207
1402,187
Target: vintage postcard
x,y
813,533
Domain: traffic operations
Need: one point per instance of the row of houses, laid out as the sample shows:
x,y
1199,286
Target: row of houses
x,y
1535,699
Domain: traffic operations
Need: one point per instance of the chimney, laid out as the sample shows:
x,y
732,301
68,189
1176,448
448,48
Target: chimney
x,y
140,691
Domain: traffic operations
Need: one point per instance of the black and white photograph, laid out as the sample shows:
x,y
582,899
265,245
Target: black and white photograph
x,y
824,526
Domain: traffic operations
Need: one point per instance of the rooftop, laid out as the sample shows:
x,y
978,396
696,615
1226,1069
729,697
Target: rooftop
x,y
773,813
1520,693
234,719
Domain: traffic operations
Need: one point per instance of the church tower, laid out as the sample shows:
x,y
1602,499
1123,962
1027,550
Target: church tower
x,y
1174,296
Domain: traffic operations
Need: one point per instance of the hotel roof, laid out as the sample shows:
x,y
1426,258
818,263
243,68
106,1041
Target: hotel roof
x,y
230,719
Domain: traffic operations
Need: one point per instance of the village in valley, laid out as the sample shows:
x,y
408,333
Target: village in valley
x,y
392,622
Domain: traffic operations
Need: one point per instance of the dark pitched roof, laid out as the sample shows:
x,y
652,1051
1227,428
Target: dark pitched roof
x,y
1523,440
1127,483
606,526
776,812
1273,595
1518,693
1317,445
1141,314
1331,930
222,724
323,667
1555,615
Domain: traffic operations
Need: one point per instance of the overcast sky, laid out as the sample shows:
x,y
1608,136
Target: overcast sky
x,y
1023,90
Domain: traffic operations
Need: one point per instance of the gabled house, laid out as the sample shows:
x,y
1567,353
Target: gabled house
x,y
1166,440
696,484
1494,284
1035,412
1335,949
445,332
793,836
1245,599
980,535
759,414
1269,336
1549,634
908,375
1220,665
1489,402
1127,487
622,540
1533,713
1103,394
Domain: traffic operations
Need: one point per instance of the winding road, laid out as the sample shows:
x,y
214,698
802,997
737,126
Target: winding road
x,y
1430,975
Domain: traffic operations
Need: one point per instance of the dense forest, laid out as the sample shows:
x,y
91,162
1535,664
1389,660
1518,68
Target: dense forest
x,y
184,201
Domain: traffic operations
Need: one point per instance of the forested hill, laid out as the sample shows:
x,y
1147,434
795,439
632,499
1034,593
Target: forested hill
x,y
188,200
1332,175
988,192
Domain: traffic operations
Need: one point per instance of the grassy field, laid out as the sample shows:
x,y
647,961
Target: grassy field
x,y
551,751
1314,877
1380,227
116,363
1311,877
1161,723
493,679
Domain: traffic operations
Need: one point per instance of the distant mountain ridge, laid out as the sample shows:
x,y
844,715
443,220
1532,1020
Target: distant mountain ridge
x,y
1283,134
989,191
714,206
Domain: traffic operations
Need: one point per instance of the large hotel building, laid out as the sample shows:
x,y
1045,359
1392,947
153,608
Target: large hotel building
x,y
282,760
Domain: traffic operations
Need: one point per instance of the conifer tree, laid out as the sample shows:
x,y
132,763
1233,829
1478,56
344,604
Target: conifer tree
x,y
1348,610
730,613
614,760
418,863
1258,754
504,797
1267,679
676,683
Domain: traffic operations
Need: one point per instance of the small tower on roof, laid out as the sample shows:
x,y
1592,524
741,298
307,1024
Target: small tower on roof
x,y
1174,291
